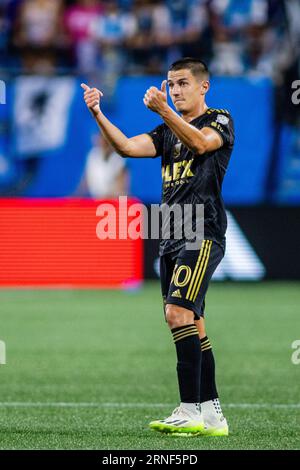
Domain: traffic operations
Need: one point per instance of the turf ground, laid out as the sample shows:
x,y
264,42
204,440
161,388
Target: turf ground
x,y
89,369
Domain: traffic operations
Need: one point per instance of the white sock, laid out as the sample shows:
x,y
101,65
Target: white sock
x,y
212,407
192,407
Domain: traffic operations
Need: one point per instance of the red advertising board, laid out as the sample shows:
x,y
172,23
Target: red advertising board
x,y
54,243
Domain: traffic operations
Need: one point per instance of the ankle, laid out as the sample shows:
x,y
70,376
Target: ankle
x,y
191,407
211,407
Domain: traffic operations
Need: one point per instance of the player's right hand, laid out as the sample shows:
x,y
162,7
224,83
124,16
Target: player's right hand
x,y
92,98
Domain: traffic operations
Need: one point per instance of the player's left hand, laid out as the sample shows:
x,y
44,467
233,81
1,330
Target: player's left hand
x,y
156,99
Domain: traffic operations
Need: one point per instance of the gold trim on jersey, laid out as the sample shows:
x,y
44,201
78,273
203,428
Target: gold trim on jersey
x,y
214,110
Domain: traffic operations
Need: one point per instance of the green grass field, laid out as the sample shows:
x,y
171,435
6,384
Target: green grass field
x,y
89,369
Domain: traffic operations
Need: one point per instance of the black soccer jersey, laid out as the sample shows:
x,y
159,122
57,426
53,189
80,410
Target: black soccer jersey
x,y
189,178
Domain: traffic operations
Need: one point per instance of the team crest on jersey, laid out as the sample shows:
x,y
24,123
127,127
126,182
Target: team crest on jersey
x,y
222,119
177,149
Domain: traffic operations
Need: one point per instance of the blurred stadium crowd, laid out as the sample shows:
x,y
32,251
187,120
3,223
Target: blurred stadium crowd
x,y
259,37
47,47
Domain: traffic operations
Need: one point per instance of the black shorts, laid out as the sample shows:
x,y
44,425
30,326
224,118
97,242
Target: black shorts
x,y
185,275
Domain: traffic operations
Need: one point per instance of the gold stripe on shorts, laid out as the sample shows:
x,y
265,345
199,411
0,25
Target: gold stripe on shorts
x,y
196,269
201,271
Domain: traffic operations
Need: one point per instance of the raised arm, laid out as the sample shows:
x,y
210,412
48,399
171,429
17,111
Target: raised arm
x,y
199,141
138,146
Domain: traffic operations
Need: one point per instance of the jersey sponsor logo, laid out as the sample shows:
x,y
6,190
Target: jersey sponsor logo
x,y
178,170
217,126
222,119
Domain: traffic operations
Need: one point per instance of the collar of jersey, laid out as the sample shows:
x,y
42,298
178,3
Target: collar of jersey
x,y
200,116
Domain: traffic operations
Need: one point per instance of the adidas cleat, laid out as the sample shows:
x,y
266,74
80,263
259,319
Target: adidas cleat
x,y
213,428
215,423
182,422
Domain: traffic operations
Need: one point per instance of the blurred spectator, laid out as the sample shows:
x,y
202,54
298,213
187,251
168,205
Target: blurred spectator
x,y
292,8
112,37
78,20
142,43
189,25
38,33
112,31
4,32
38,23
235,24
279,44
106,173
166,31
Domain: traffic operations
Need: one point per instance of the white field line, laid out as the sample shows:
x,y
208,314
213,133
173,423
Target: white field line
x,y
21,404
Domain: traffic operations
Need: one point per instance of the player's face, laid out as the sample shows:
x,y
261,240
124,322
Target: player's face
x,y
186,91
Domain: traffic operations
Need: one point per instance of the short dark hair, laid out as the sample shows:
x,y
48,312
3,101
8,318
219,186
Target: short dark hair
x,y
197,67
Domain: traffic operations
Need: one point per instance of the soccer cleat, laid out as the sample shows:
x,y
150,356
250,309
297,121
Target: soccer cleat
x,y
215,427
215,423
182,422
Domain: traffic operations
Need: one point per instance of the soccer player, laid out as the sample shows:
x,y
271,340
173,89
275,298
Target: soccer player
x,y
195,144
